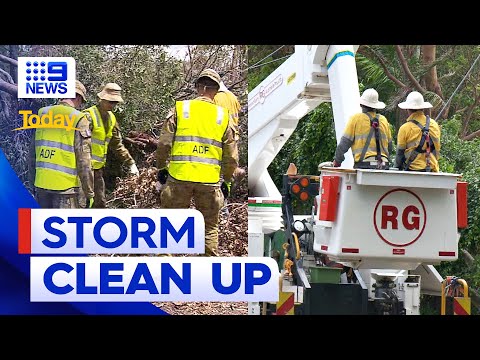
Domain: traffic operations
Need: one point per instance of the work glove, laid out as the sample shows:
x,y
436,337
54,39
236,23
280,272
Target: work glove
x,y
159,187
162,175
328,164
90,203
225,187
325,164
134,169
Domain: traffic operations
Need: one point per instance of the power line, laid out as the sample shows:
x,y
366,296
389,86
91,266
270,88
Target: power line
x,y
268,62
259,61
268,55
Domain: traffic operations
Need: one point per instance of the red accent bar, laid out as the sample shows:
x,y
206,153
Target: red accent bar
x,y
446,253
329,198
252,201
286,306
398,251
458,309
462,213
24,231
324,247
350,250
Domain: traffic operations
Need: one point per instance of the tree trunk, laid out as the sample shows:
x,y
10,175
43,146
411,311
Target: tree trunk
x,y
431,78
406,70
13,68
9,88
8,60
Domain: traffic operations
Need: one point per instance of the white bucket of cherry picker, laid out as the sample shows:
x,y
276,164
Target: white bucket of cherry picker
x,y
389,219
268,210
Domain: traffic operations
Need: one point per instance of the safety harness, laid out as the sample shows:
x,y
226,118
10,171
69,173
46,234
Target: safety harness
x,y
430,147
373,129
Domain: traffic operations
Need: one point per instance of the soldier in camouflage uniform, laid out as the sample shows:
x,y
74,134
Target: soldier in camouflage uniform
x,y
63,157
106,137
198,141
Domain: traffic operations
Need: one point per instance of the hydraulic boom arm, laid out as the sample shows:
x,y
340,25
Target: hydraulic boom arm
x,y
312,75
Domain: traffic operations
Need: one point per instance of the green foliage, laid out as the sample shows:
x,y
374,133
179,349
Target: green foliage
x,y
147,75
372,73
430,305
312,143
263,60
463,157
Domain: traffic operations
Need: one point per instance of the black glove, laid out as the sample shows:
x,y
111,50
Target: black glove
x,y
225,187
162,175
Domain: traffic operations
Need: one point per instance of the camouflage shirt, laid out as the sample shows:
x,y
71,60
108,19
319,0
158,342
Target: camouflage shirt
x,y
83,152
116,143
230,150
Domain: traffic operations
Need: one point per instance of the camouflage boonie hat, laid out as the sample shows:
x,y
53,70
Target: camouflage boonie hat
x,y
80,89
211,74
111,92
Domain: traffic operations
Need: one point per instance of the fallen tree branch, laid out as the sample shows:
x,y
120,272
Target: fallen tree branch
x,y
8,76
134,142
407,71
8,88
8,60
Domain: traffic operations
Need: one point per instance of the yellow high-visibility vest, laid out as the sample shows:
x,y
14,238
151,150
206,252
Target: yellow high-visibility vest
x,y
197,149
55,161
101,136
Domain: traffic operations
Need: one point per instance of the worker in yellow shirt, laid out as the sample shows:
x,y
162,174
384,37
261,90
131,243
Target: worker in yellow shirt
x,y
368,134
227,99
418,140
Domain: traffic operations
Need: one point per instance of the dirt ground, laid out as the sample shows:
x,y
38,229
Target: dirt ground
x,y
140,192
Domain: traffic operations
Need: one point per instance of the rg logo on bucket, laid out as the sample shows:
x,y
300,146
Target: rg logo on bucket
x,y
399,217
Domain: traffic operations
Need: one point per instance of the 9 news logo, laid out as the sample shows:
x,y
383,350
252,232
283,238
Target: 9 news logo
x,y
46,77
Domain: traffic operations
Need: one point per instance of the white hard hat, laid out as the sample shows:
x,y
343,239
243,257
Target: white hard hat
x,y
370,98
415,101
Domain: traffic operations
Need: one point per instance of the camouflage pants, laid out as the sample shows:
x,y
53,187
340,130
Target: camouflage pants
x,y
208,200
99,200
49,200
99,189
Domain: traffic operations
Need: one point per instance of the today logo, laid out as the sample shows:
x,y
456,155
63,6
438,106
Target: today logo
x,y
46,121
